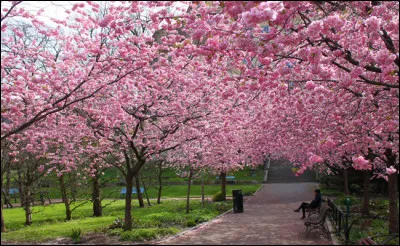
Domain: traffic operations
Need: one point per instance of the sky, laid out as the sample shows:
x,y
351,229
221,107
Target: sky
x,y
53,9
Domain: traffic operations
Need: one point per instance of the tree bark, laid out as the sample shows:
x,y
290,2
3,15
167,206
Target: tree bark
x,y
64,197
128,202
223,185
8,186
3,224
365,206
188,191
145,190
97,208
202,194
393,200
20,188
139,194
27,205
346,182
72,182
159,182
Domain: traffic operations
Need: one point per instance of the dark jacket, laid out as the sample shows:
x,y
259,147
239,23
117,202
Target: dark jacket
x,y
316,202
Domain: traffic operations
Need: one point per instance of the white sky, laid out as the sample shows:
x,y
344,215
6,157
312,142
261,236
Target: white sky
x,y
52,9
56,9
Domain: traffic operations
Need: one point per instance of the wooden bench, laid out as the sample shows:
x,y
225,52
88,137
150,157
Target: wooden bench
x,y
229,179
366,241
311,211
316,220
370,240
123,191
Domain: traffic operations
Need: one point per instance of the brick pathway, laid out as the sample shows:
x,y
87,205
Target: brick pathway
x,y
268,218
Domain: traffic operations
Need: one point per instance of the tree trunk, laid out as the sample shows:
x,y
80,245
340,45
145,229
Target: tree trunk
x,y
27,205
159,182
7,196
20,190
64,197
266,168
3,224
188,192
145,190
139,194
202,194
346,182
72,182
128,202
393,209
97,208
223,185
365,206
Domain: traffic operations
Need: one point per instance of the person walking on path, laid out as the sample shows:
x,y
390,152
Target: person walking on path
x,y
313,204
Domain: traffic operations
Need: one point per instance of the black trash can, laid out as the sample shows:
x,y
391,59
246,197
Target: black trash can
x,y
237,201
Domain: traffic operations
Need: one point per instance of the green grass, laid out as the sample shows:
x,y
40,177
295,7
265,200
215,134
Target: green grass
x,y
149,222
371,228
169,175
172,191
368,227
330,191
168,191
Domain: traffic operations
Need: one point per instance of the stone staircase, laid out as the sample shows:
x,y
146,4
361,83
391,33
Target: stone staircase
x,y
280,171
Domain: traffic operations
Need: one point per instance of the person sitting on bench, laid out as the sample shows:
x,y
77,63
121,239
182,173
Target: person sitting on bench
x,y
313,204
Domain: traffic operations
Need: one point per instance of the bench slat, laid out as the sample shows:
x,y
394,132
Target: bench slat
x,y
366,241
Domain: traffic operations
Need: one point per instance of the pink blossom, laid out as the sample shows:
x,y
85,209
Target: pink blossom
x,y
107,19
356,72
373,24
391,170
360,163
310,85
315,159
314,28
41,168
384,57
334,21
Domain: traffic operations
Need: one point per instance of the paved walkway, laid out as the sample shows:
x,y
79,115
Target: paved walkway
x,y
268,218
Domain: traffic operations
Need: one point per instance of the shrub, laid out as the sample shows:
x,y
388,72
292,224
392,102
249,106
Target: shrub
x,y
190,223
330,180
379,204
218,197
76,235
200,219
342,200
221,206
355,188
248,193
118,223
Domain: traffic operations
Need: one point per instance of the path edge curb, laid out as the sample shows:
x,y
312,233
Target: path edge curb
x,y
332,235
262,185
193,228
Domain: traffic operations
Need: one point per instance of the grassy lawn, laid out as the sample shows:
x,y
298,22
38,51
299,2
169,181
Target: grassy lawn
x,y
246,174
176,191
149,222
330,191
168,191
